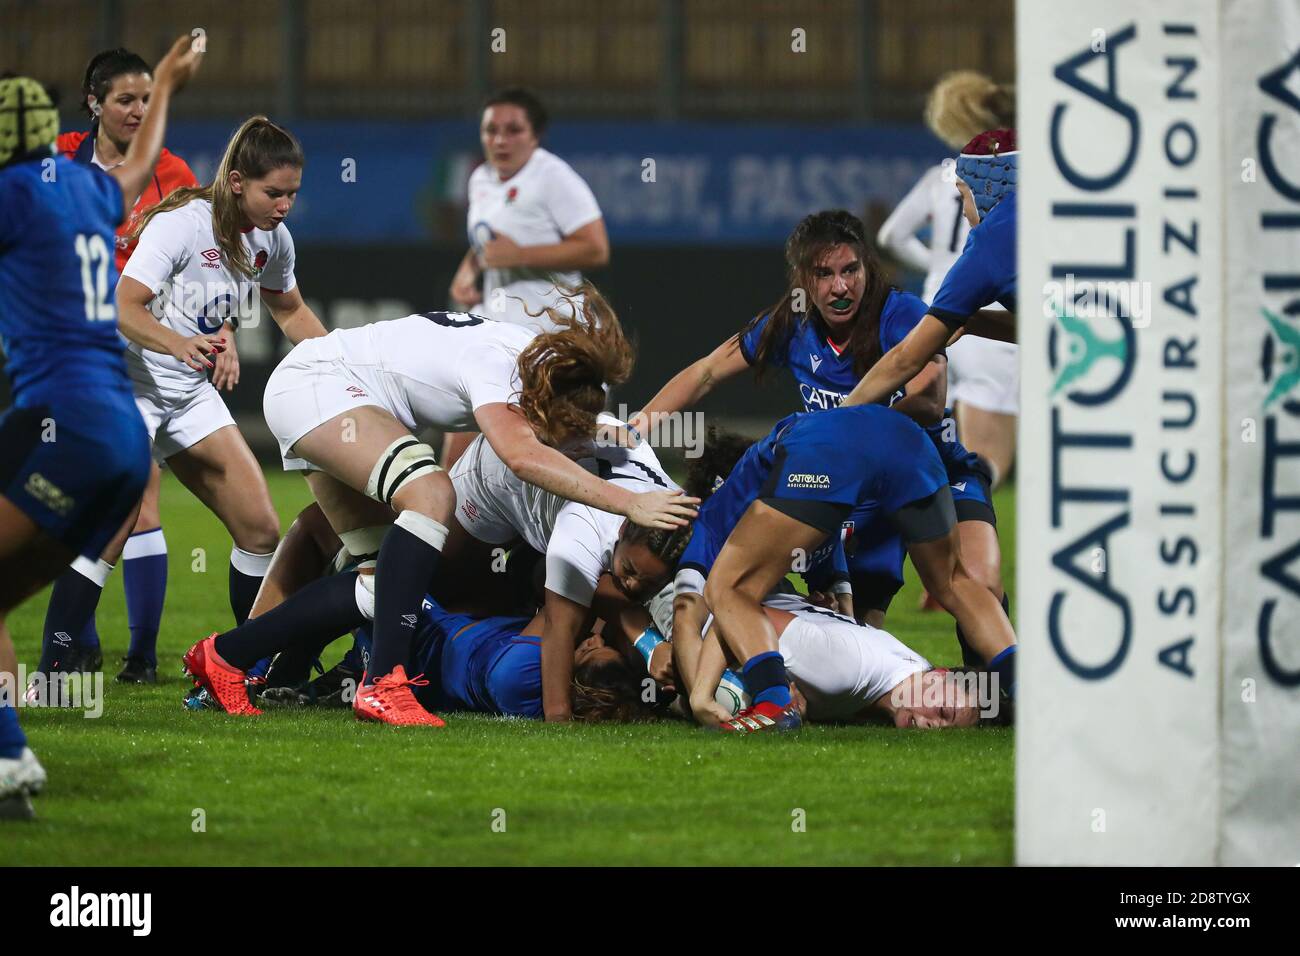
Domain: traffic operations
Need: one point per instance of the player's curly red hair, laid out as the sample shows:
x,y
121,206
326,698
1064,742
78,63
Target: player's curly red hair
x,y
563,373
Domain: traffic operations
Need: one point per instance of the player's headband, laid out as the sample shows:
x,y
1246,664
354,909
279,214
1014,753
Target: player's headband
x,y
987,165
29,123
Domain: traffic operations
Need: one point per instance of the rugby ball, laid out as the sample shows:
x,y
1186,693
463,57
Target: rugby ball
x,y
731,694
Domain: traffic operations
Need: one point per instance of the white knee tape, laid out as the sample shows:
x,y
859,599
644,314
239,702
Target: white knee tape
x,y
364,543
95,570
432,533
403,461
366,590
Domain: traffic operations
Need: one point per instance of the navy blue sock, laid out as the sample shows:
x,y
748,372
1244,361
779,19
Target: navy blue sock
x,y
407,560
324,609
765,679
12,738
246,573
358,658
144,578
88,639
72,603
1004,665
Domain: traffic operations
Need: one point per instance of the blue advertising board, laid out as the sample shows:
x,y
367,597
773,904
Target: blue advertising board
x,y
694,183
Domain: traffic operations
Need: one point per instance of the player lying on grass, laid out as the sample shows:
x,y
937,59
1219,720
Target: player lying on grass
x,y
493,665
835,320
985,273
843,671
344,407
779,506
74,456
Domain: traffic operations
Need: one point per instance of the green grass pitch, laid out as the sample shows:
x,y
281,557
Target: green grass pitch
x,y
133,786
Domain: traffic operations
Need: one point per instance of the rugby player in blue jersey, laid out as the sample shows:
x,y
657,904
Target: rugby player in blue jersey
x,y
74,455
785,501
985,273
835,320
493,665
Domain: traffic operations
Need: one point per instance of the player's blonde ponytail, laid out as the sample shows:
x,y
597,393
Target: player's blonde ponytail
x,y
965,103
562,373
257,148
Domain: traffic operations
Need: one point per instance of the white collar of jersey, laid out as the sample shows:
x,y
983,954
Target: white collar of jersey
x,y
518,172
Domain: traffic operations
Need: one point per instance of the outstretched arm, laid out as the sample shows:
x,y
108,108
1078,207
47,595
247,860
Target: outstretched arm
x,y
513,439
171,73
692,383
902,363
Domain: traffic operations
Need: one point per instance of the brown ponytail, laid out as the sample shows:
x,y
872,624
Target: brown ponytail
x,y
562,372
257,148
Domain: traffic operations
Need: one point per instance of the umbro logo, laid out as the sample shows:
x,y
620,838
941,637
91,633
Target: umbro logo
x,y
816,361
356,391
212,255
409,620
63,638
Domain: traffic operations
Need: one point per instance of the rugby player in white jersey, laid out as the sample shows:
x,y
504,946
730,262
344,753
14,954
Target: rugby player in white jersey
x,y
534,225
496,508
843,671
343,409
206,256
533,222
983,374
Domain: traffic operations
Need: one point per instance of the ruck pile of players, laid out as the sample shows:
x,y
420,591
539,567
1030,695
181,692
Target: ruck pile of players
x,y
545,565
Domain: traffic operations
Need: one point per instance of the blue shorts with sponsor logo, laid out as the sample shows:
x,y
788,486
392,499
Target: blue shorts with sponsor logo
x,y
866,457
75,466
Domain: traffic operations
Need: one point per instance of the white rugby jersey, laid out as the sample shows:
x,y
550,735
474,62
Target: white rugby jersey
x,y
841,666
179,260
578,540
432,369
935,199
537,206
